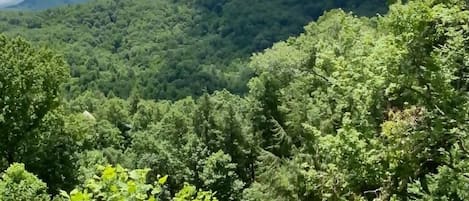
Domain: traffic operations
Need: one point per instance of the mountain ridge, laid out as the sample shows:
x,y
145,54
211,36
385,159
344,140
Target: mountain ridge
x,y
8,3
36,4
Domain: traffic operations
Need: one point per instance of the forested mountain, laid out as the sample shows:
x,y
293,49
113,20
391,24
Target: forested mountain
x,y
352,108
166,49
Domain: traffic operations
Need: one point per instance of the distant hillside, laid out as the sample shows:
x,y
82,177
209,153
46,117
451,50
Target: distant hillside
x,y
166,49
7,3
36,4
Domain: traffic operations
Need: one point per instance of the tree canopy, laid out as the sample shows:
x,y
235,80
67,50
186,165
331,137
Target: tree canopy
x,y
165,49
30,81
354,108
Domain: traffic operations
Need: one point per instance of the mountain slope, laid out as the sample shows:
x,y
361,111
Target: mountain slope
x,y
166,49
36,4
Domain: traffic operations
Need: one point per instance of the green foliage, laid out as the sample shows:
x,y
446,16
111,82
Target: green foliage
x,y
219,175
359,108
30,81
355,108
166,49
17,184
190,193
116,183
51,154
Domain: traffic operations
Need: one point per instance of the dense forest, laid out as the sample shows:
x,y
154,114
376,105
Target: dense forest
x,y
166,49
232,100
